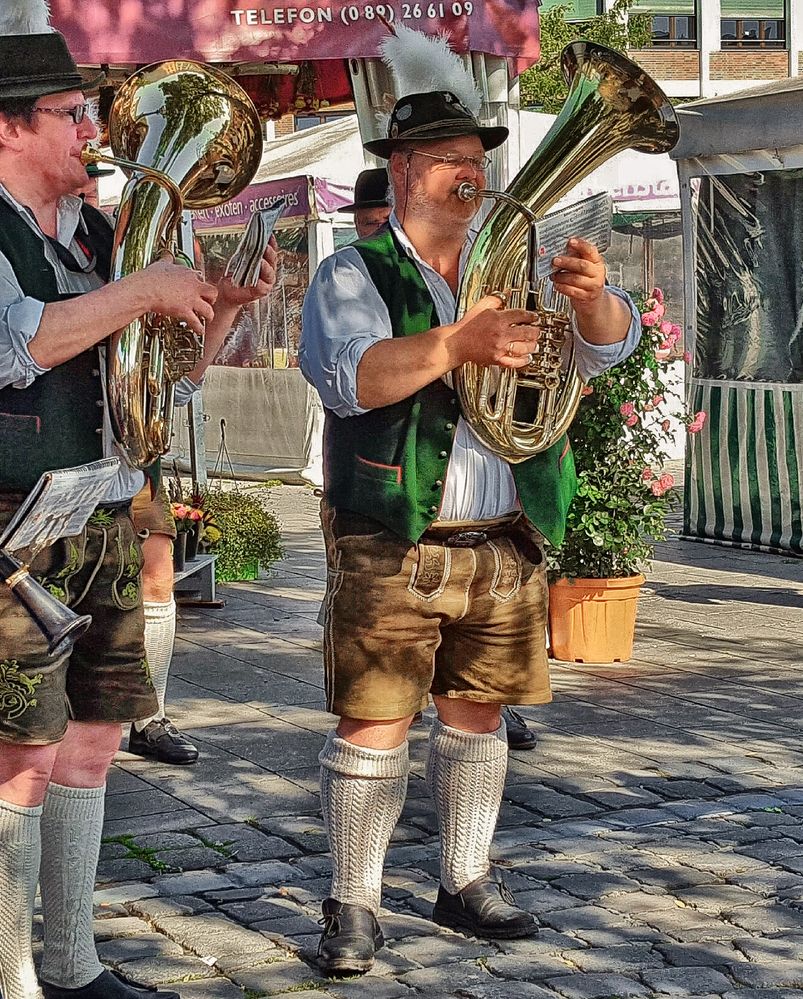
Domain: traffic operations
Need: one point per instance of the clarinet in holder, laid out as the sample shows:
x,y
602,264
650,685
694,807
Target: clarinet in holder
x,y
60,625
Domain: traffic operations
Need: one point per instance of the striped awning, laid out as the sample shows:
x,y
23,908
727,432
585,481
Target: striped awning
x,y
744,470
752,8
579,10
667,7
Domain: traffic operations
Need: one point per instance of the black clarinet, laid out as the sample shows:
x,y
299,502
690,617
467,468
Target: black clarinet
x,y
61,626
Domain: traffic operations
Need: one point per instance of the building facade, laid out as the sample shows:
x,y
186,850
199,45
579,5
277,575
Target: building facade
x,y
702,48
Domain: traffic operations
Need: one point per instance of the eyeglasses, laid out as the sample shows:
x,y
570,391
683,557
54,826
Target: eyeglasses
x,y
78,113
456,160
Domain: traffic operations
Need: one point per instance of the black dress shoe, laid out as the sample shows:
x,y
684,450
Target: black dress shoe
x,y
485,908
108,985
162,740
518,735
351,936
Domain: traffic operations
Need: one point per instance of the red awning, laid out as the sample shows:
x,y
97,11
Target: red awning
x,y
142,31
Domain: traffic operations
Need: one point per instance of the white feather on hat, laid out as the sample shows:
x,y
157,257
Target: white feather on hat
x,y
25,17
422,63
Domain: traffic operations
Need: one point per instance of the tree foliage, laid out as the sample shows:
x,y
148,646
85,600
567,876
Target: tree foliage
x,y
543,86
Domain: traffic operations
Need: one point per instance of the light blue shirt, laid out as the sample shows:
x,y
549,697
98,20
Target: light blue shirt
x,y
20,316
344,315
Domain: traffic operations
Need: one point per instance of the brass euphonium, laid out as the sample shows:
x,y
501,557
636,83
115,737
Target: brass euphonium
x,y
612,105
188,136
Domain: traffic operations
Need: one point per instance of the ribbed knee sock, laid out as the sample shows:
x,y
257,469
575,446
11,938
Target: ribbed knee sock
x,y
72,821
466,774
362,795
160,633
20,848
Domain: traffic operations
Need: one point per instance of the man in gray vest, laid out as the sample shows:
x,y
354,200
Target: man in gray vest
x,y
436,577
60,716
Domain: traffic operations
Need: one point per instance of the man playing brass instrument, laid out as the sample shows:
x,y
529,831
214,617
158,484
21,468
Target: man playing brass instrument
x,y
436,576
60,717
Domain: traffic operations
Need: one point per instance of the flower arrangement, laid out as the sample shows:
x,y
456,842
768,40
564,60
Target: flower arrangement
x,y
619,438
186,518
241,532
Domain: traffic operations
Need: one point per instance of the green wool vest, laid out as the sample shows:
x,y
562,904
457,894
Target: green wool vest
x,y
56,422
390,463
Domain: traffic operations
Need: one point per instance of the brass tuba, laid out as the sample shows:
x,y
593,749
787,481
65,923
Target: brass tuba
x,y
188,136
612,105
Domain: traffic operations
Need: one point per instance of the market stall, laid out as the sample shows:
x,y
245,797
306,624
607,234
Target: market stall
x,y
740,162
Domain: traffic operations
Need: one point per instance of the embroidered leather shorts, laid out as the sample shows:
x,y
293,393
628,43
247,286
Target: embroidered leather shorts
x,y
106,677
153,515
463,615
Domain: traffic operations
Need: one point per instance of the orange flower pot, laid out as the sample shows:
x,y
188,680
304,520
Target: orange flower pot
x,y
593,620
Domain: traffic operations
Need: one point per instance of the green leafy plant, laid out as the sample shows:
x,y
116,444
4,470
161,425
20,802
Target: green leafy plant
x,y
249,533
543,86
619,439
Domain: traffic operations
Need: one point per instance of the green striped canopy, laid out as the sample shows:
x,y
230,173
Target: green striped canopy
x,y
744,470
579,10
665,7
729,8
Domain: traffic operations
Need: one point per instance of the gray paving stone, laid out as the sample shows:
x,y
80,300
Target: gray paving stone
x,y
625,958
709,954
591,886
770,949
766,918
162,970
188,884
685,981
145,945
368,985
779,973
246,844
212,988
584,917
442,949
519,968
212,935
580,986
120,926
278,976
164,908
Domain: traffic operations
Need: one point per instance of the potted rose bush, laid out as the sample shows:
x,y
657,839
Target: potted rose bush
x,y
619,438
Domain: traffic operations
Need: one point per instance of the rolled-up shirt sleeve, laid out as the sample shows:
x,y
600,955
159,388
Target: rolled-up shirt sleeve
x,y
592,358
19,321
343,315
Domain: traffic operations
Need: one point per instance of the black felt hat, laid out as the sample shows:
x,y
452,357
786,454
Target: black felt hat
x,y
434,115
38,65
370,190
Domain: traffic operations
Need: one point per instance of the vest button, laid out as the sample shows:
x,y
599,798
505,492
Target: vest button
x,y
99,403
449,426
96,372
443,454
433,509
99,430
454,402
438,484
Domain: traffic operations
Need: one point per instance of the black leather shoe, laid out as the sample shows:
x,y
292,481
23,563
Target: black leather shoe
x,y
518,735
108,985
351,936
485,908
162,741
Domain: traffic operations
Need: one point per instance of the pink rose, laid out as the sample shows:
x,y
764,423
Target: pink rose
x,y
659,309
666,345
657,400
647,475
695,427
649,318
631,421
587,390
657,294
656,488
700,417
665,425
627,409
677,332
667,481
665,328
196,514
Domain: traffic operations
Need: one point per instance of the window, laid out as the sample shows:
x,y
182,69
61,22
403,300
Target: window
x,y
674,30
753,32
311,120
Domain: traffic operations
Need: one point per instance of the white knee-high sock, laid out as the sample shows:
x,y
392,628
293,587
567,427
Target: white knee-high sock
x,y
466,774
20,849
362,795
72,821
160,633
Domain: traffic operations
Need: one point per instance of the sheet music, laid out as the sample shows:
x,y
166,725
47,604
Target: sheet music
x,y
243,265
590,219
59,505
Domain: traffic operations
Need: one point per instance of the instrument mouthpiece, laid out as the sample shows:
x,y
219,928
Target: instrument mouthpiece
x,y
467,192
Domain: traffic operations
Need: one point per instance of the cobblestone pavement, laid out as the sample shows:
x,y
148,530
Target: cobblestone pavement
x,y
656,831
